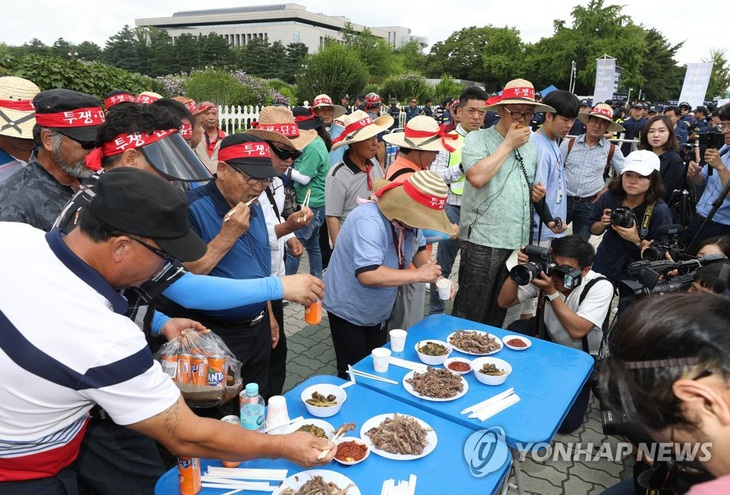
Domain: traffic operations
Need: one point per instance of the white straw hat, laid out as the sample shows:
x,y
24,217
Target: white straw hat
x,y
519,92
423,133
325,101
17,115
359,127
603,112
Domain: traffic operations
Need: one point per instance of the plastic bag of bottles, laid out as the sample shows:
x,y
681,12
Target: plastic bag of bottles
x,y
201,365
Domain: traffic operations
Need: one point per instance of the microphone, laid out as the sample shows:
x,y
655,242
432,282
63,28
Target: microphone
x,y
669,229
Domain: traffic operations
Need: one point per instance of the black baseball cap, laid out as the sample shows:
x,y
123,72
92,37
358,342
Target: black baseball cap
x,y
71,113
305,119
136,202
344,96
249,154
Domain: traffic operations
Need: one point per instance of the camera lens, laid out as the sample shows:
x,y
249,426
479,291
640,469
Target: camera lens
x,y
653,254
523,274
612,422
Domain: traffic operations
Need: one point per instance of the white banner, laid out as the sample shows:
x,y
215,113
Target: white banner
x,y
605,77
695,84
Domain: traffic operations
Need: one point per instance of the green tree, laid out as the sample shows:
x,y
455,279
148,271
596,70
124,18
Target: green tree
x,y
63,49
335,69
407,86
89,51
447,88
720,77
411,57
160,52
215,85
296,53
36,47
663,76
124,50
186,53
255,58
375,53
215,51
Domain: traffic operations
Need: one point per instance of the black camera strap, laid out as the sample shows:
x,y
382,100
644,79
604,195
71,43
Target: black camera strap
x,y
581,298
644,227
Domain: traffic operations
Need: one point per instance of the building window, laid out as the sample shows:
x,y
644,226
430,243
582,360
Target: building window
x,y
297,37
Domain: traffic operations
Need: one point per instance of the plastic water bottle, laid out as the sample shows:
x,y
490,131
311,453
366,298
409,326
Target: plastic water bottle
x,y
252,408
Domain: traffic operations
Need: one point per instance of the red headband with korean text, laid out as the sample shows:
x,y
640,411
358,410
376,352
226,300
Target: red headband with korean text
x,y
288,130
244,150
117,99
80,117
353,127
124,142
413,133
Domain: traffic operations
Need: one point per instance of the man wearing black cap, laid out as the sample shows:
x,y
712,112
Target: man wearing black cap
x,y
65,131
81,350
633,126
345,102
225,216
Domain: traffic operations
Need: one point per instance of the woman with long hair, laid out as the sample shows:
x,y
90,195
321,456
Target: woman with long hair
x,y
658,136
636,195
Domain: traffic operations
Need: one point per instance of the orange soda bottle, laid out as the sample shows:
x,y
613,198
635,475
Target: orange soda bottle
x,y
313,313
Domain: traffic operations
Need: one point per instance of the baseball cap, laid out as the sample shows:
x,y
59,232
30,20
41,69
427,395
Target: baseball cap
x,y
72,113
643,162
136,202
685,104
344,96
585,103
248,154
306,119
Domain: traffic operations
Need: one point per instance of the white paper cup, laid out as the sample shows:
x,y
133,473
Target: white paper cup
x,y
277,414
444,288
398,340
381,359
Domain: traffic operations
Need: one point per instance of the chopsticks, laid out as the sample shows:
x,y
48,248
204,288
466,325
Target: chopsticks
x,y
401,488
489,407
305,204
353,373
404,363
341,431
240,479
291,421
233,210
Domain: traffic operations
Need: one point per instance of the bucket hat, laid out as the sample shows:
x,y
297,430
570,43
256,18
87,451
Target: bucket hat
x,y
518,92
604,112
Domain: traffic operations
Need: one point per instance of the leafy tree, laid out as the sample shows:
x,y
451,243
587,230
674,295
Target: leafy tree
x,y
375,53
62,48
663,76
186,53
160,52
215,51
295,55
89,51
255,58
447,88
402,87
720,77
215,85
36,47
335,69
410,57
124,50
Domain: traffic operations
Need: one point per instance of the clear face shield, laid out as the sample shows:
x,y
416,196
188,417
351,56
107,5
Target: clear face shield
x,y
173,159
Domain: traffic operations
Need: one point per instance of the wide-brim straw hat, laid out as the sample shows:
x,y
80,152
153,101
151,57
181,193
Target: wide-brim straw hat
x,y
423,133
603,112
359,127
277,124
417,202
325,101
17,116
519,92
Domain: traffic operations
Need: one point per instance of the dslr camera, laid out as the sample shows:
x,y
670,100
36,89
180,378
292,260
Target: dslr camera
x,y
539,261
673,245
711,139
622,217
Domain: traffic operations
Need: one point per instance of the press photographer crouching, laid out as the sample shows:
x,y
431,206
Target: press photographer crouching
x,y
575,307
629,213
668,371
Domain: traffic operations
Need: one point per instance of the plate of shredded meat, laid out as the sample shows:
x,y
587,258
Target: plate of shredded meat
x,y
436,384
398,436
317,482
475,342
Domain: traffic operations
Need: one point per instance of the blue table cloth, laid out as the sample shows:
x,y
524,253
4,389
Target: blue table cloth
x,y
445,470
547,377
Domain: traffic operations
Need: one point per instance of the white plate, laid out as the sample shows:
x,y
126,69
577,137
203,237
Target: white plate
x,y
496,339
375,421
409,388
328,428
296,481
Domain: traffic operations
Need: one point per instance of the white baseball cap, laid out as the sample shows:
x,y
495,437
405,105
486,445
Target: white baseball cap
x,y
643,162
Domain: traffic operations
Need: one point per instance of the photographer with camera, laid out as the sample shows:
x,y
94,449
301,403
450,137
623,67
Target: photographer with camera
x,y
716,176
577,304
668,371
629,213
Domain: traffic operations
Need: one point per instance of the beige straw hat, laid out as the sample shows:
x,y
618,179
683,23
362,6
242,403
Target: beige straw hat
x,y
603,112
17,116
423,133
277,124
325,101
359,127
417,202
519,92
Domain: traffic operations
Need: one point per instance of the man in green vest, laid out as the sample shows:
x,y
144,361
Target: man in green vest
x,y
470,113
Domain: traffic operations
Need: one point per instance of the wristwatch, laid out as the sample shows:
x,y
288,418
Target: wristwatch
x,y
553,296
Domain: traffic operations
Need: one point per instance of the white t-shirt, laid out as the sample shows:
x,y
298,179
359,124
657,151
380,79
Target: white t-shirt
x,y
594,308
65,345
277,245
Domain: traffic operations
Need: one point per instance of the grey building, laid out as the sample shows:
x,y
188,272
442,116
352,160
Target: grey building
x,y
285,22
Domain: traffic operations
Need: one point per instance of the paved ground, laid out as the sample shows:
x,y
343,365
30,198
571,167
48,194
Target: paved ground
x,y
584,471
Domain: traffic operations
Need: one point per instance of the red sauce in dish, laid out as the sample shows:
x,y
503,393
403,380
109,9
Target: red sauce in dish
x,y
516,343
459,366
351,451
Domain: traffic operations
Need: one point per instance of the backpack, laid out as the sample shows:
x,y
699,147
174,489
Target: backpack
x,y
607,169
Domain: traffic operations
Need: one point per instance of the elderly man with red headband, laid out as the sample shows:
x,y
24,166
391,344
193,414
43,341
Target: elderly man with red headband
x,y
376,244
65,131
496,213
17,118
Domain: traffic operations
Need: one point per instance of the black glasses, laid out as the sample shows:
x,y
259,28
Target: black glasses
x,y
158,252
285,154
520,115
252,180
87,145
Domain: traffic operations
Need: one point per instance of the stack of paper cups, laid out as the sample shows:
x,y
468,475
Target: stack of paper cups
x,y
277,414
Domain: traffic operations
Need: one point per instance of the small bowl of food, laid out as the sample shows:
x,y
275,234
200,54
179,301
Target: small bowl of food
x,y
491,371
317,427
351,450
458,365
517,342
323,400
433,352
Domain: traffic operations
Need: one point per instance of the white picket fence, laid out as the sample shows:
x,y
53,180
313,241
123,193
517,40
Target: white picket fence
x,y
237,118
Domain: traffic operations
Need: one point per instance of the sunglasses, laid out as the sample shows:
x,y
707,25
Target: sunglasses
x,y
285,154
87,145
158,252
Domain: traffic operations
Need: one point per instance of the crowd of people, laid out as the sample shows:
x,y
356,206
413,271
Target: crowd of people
x,y
141,213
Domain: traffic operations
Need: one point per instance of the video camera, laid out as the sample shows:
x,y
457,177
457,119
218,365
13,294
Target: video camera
x,y
541,261
711,139
674,246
